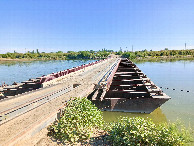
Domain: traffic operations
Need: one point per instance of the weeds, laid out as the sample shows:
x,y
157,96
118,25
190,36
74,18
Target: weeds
x,y
138,131
77,122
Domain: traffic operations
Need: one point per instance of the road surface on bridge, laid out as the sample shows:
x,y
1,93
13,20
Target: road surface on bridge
x,y
86,78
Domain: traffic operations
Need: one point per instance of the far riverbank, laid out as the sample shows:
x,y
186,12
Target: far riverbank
x,y
162,58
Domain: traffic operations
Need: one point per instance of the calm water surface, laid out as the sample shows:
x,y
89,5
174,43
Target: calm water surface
x,y
177,75
22,71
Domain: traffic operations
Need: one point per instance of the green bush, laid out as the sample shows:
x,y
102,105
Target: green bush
x,y
78,120
138,131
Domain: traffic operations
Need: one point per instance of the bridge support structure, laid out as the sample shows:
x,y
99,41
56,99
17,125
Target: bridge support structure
x,y
128,89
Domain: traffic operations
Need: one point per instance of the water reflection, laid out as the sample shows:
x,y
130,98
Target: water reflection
x,y
157,116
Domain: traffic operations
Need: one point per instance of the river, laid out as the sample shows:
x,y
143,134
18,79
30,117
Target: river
x,y
178,75
22,71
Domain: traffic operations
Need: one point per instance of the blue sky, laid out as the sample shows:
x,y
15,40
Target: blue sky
x,y
53,25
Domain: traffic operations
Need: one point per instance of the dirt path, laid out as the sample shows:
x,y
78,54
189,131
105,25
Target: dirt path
x,y
86,80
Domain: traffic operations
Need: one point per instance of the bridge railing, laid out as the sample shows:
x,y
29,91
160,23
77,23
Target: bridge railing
x,y
52,76
111,75
107,78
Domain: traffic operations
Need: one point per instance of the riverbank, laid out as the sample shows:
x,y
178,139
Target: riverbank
x,y
22,59
112,133
5,60
162,58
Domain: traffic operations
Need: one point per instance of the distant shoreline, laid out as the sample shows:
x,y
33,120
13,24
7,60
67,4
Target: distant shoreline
x,y
147,58
23,59
163,58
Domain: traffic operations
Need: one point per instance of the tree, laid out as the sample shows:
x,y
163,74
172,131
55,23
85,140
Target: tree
x,y
37,51
60,52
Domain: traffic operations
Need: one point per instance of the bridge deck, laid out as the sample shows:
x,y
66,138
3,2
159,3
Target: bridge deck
x,y
85,79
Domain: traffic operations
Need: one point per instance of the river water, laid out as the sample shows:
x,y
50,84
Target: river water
x,y
22,71
177,75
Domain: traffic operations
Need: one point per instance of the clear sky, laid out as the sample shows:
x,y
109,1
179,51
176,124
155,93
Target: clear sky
x,y
53,25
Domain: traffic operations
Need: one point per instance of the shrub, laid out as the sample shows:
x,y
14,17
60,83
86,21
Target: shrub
x,y
138,131
78,120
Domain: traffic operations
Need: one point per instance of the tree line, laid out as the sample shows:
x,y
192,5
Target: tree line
x,y
97,54
155,54
58,55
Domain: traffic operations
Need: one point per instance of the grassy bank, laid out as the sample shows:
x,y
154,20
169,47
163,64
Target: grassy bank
x,y
81,122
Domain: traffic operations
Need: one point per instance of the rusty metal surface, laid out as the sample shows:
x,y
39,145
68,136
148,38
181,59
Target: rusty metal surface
x,y
131,89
